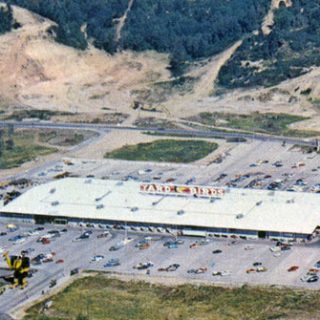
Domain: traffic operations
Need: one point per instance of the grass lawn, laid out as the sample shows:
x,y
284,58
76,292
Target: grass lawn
x,y
165,151
24,149
271,123
100,298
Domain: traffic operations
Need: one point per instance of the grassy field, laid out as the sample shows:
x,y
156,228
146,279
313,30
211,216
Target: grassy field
x,y
270,123
101,298
64,138
165,151
23,150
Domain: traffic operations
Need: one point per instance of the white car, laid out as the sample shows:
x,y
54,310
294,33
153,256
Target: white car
x,y
221,273
275,249
308,277
47,236
33,233
97,258
127,240
20,240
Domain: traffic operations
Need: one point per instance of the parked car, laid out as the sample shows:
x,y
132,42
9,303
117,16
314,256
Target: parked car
x,y
197,271
143,265
217,251
112,263
38,259
277,164
103,235
16,238
275,249
312,279
251,270
144,246
256,264
293,268
309,278
171,268
52,283
84,235
32,233
59,261
55,233
74,271
194,245
261,269
45,241
39,229
97,257
173,243
20,240
221,273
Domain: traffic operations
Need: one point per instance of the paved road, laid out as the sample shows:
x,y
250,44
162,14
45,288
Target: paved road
x,y
194,133
42,167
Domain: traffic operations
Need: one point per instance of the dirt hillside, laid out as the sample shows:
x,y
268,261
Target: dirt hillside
x,y
37,72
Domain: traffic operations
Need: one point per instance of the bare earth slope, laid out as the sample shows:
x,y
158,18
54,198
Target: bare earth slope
x,y
36,72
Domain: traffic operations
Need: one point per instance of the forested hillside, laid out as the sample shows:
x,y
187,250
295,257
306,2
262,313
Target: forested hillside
x,y
6,19
185,29
288,51
192,30
97,15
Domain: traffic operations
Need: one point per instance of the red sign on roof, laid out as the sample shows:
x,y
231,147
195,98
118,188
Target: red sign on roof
x,y
186,190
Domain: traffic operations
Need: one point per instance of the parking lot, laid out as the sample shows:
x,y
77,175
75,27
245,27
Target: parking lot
x,y
233,261
253,164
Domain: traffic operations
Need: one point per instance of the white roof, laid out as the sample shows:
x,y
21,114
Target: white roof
x,y
288,212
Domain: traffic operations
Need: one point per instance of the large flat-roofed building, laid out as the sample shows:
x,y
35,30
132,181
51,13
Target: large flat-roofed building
x,y
184,209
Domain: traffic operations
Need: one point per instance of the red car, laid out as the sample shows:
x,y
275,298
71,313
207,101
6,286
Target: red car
x,y
293,268
45,241
60,261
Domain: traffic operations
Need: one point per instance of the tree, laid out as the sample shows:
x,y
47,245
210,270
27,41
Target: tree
x,y
10,141
1,143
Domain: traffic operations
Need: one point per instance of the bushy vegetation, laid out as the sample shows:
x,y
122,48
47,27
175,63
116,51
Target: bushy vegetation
x,y
98,15
101,298
64,138
185,29
6,19
165,151
271,123
33,113
150,122
189,30
288,51
19,147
